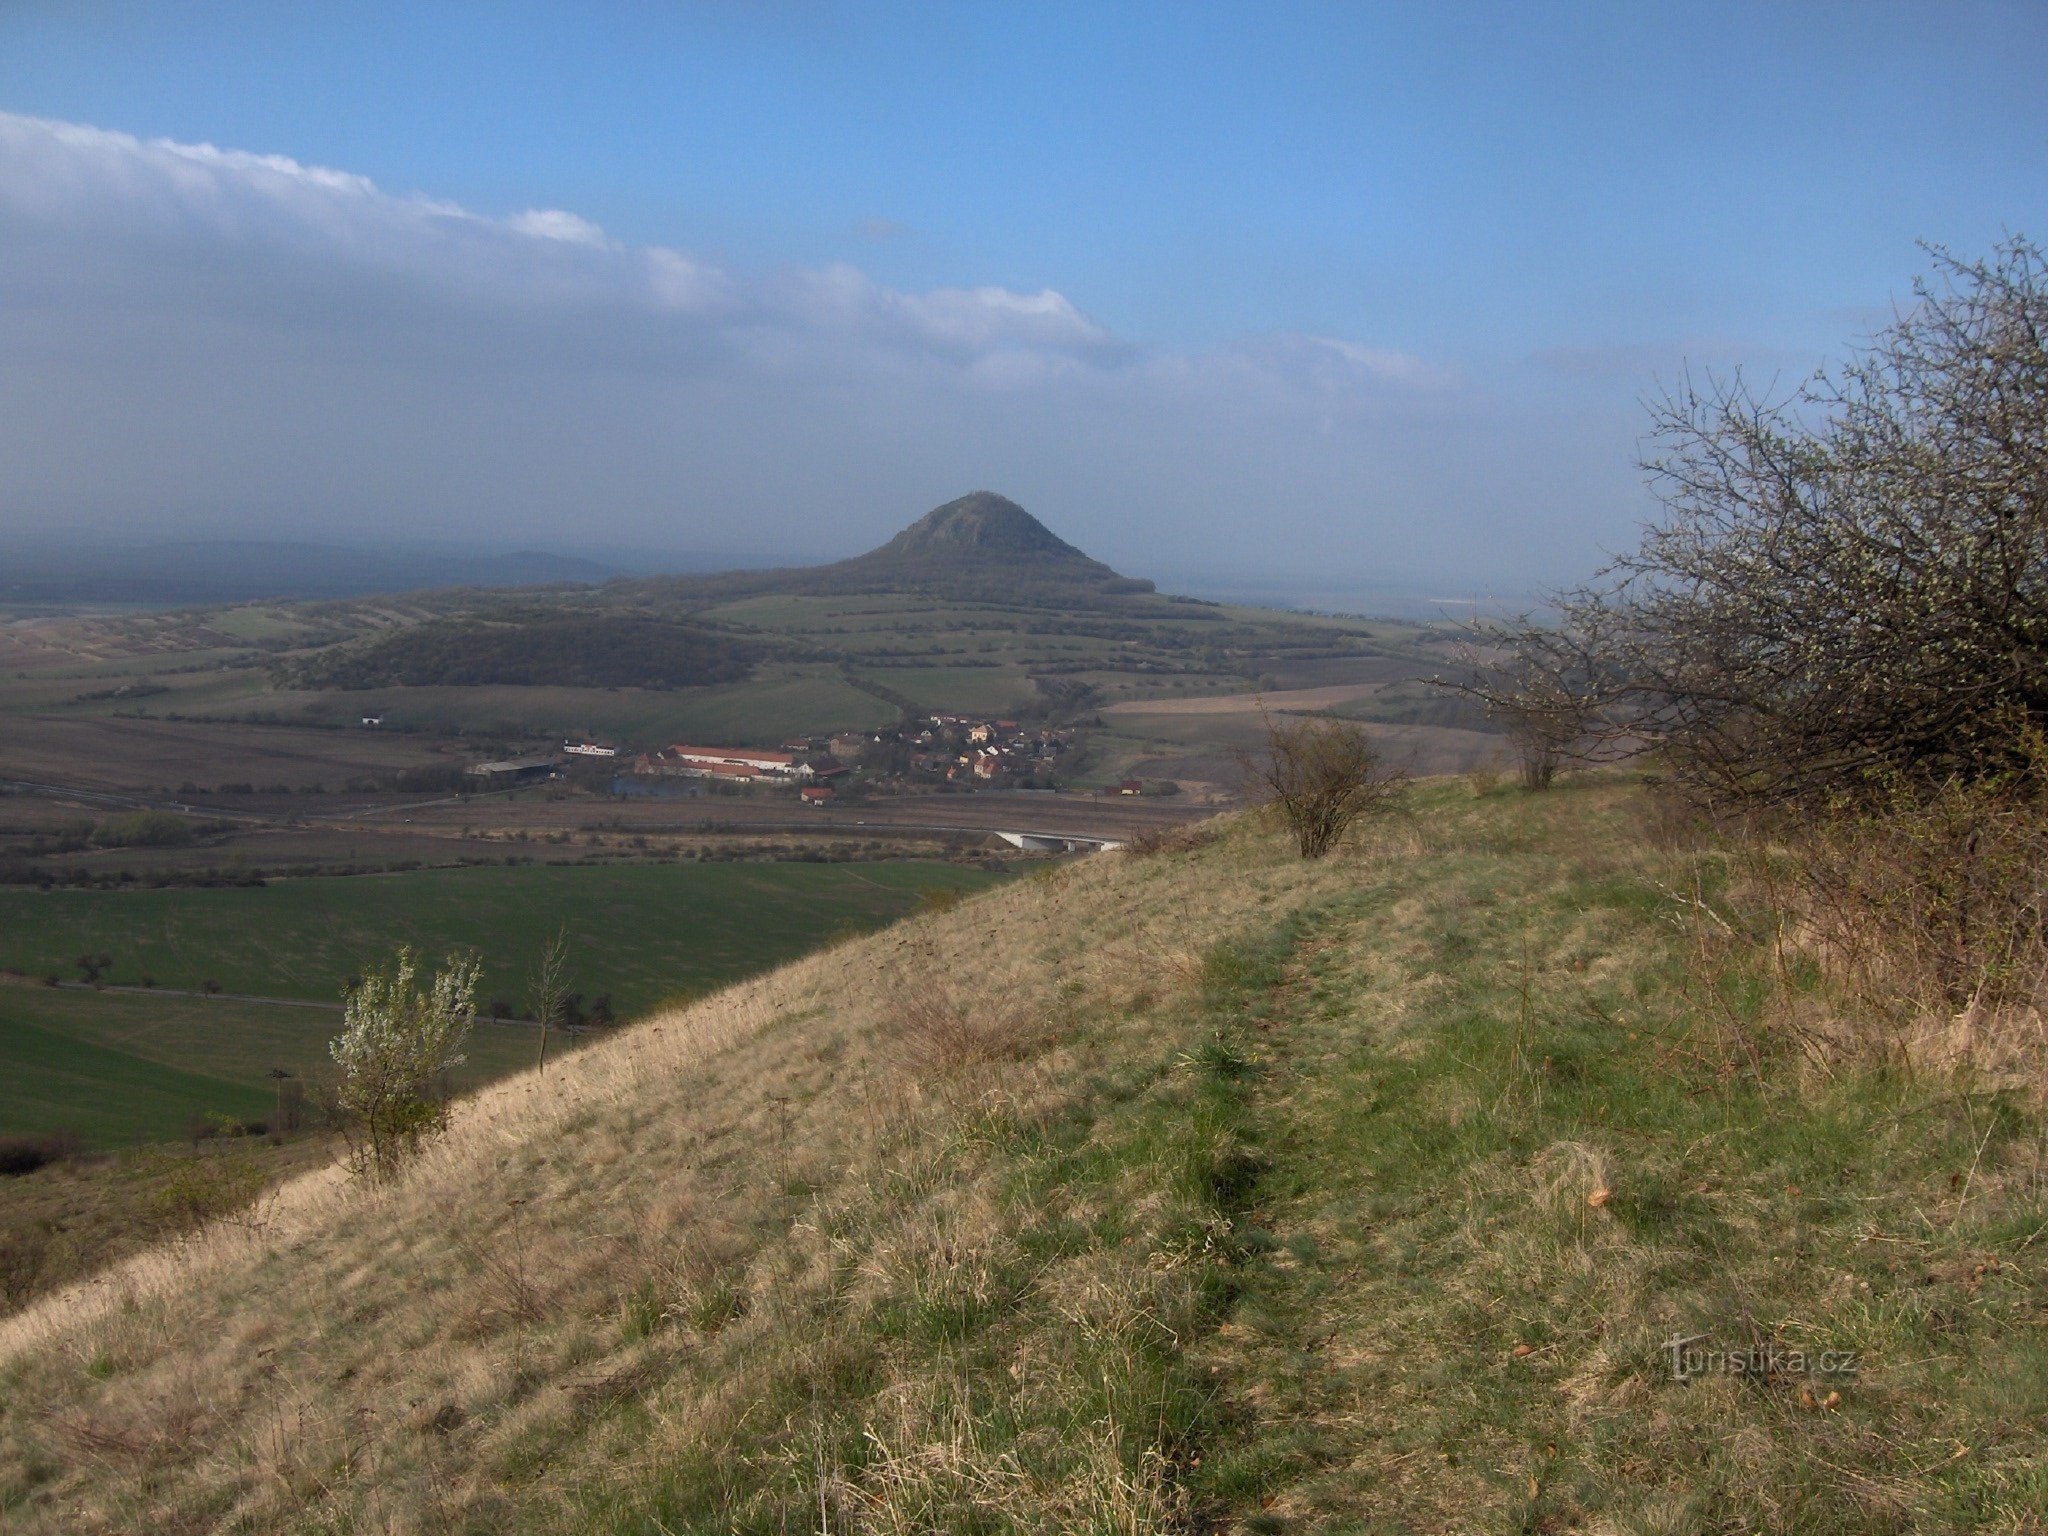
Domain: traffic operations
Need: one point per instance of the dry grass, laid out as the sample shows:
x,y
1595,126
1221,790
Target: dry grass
x,y
542,1240
1226,1191
1186,838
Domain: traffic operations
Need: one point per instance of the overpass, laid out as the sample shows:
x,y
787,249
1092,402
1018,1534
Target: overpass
x,y
1058,842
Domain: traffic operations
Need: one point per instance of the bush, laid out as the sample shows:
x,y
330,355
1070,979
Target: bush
x,y
397,1037
144,829
1933,904
1845,589
1320,775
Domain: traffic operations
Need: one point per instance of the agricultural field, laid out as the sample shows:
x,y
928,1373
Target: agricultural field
x,y
116,1068
132,1065
638,932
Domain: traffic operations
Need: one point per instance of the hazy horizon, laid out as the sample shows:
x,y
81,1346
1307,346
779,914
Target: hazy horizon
x,y
1319,296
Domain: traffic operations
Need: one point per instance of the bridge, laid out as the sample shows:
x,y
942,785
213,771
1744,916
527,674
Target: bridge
x,y
1058,842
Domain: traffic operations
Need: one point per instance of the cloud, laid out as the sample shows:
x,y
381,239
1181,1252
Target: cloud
x,y
193,337
554,224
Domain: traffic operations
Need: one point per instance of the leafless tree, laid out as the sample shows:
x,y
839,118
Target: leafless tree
x,y
1321,775
548,990
1848,588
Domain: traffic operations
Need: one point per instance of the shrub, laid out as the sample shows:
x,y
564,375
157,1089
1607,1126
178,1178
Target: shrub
x,y
144,829
396,1037
1320,775
188,1191
1844,590
1934,903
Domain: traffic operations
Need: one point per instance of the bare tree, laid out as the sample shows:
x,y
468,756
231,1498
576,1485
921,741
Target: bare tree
x,y
549,989
1321,775
1848,587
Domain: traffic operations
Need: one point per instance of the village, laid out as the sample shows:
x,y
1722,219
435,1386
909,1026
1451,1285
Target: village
x,y
931,751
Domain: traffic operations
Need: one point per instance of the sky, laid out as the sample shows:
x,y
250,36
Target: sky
x,y
1274,290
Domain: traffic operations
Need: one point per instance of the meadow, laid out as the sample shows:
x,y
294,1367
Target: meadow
x,y
115,1069
1193,1188
116,1066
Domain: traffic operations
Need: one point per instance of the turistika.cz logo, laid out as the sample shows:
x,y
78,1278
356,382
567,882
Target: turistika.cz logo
x,y
1694,1356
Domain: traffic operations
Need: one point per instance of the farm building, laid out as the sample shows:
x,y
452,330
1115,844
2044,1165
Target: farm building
x,y
815,794
716,762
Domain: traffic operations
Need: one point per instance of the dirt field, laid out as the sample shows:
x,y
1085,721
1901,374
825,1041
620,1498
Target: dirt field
x,y
141,756
1277,701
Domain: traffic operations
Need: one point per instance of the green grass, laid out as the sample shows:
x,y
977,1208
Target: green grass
x,y
640,933
118,1068
965,690
58,1081
778,702
1453,1326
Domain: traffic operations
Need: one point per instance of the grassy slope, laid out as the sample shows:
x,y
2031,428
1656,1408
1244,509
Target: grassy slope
x,y
1265,1207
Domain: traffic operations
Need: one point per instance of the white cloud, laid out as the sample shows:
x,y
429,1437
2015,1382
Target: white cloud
x,y
554,224
190,332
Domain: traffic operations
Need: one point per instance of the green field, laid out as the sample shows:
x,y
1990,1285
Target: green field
x,y
639,933
781,700
117,1066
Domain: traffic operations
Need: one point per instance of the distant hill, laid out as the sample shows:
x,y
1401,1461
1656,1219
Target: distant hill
x,y
982,546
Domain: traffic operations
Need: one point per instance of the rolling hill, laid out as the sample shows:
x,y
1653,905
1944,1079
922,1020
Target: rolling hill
x,y
1196,1188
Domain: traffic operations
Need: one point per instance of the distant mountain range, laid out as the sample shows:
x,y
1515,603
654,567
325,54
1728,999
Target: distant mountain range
x,y
981,546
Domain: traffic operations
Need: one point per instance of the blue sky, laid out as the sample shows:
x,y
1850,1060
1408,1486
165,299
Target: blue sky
x,y
1246,287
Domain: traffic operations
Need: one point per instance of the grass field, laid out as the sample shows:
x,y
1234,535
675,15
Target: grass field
x,y
118,1067
639,933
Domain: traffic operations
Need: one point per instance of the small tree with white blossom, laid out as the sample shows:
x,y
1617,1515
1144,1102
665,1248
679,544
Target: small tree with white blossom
x,y
397,1036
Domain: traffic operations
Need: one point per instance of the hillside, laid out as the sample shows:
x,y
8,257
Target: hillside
x,y
1199,1188
540,649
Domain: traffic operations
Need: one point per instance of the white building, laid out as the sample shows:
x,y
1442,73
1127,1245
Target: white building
x,y
770,765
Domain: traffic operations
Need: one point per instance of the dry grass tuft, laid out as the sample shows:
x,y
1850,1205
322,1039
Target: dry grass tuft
x,y
1187,838
940,1032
